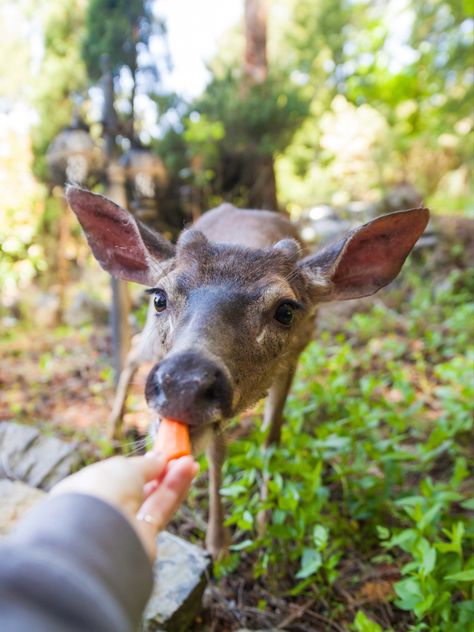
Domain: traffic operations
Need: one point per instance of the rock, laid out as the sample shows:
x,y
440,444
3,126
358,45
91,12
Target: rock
x,y
85,309
44,306
35,459
15,500
181,574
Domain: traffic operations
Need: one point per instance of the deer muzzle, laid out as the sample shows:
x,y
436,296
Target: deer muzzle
x,y
189,387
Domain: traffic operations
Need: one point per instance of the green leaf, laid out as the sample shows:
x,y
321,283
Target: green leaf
x,y
426,555
409,501
245,544
405,540
362,623
428,517
423,606
409,592
463,576
468,504
246,521
383,532
320,537
233,490
310,563
466,613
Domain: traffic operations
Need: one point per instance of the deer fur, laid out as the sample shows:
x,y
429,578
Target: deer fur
x,y
219,346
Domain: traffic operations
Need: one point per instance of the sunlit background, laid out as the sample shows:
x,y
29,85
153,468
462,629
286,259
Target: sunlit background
x,y
333,111
358,98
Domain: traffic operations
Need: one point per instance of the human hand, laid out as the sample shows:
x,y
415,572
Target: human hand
x,y
145,489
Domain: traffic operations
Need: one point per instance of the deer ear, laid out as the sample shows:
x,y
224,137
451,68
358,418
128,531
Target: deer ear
x,y
121,244
368,258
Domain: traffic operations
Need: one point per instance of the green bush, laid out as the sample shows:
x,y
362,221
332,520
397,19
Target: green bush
x,y
373,462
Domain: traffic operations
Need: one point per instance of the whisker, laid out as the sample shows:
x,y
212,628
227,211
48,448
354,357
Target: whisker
x,y
138,447
133,442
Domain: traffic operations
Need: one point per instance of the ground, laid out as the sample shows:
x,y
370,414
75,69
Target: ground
x,y
376,439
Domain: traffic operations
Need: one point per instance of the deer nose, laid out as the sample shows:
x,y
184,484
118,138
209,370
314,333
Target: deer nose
x,y
190,388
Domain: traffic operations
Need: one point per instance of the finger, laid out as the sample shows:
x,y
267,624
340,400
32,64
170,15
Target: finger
x,y
149,488
150,466
161,505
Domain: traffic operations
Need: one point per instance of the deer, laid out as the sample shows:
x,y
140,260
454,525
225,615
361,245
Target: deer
x,y
232,305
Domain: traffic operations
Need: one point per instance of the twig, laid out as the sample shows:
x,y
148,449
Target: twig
x,y
322,619
297,614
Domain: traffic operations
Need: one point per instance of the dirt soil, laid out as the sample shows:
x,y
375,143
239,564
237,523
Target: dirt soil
x,y
61,382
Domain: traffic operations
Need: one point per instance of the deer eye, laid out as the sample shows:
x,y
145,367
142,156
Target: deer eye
x,y
160,301
284,314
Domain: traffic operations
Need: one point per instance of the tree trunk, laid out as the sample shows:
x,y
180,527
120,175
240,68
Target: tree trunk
x,y
115,184
121,302
63,264
262,193
256,65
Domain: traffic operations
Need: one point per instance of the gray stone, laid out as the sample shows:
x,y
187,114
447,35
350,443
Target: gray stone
x,y
15,500
85,309
35,459
44,305
181,574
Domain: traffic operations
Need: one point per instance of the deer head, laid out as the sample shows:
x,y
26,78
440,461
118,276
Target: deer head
x,y
224,318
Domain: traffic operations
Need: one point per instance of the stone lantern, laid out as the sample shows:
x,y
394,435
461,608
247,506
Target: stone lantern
x,y
73,156
145,174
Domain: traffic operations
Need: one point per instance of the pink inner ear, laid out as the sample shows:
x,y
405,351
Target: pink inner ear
x,y
112,235
115,242
375,254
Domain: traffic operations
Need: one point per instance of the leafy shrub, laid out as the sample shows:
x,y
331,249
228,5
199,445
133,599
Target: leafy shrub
x,y
373,463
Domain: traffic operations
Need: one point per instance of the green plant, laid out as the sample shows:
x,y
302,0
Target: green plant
x,y
438,581
374,461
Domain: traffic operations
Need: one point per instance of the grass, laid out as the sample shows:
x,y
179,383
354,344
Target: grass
x,y
371,490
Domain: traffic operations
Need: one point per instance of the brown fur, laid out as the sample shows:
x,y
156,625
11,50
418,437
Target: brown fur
x,y
224,282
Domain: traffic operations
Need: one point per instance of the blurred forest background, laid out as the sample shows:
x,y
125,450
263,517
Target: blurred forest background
x,y
333,111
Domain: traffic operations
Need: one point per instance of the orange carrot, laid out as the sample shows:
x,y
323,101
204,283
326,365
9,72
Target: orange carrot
x,y
172,439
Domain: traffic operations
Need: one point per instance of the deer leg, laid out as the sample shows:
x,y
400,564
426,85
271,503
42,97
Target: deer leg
x,y
217,538
114,422
135,357
272,421
274,405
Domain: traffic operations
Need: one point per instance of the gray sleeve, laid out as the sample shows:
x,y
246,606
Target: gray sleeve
x,y
73,564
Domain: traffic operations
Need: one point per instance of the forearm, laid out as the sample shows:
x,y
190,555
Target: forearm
x,y
74,563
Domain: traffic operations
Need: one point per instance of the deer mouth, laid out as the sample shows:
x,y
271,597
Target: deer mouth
x,y
200,436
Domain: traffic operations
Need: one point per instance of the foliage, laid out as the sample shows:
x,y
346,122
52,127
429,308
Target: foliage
x,y
266,114
117,36
389,83
411,66
21,257
116,29
61,76
374,463
231,126
15,78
